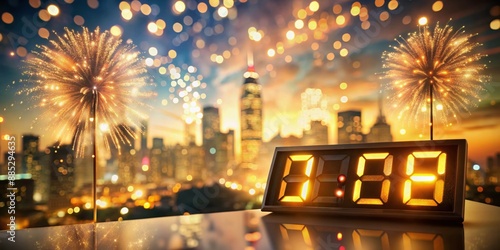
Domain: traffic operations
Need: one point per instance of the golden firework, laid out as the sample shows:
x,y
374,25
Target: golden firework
x,y
87,78
434,71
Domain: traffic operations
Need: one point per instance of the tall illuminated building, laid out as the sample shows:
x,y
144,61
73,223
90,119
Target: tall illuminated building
x,y
127,163
381,131
218,146
317,134
144,136
349,127
211,129
154,170
314,107
251,118
62,178
30,150
35,163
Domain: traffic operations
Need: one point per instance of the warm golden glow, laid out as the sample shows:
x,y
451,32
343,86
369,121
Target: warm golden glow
x,y
286,172
375,156
423,178
339,193
439,191
442,163
53,10
384,193
388,165
291,199
451,70
369,201
78,69
357,190
309,166
422,202
437,6
295,227
361,166
305,186
407,191
300,157
305,189
410,165
426,154
422,21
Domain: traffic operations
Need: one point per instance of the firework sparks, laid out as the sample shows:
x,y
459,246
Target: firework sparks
x,y
85,72
437,67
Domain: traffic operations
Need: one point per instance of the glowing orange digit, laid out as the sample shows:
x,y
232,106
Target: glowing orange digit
x,y
409,240
425,178
360,171
295,178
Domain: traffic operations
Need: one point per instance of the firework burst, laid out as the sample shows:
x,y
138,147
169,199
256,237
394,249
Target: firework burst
x,y
434,70
88,78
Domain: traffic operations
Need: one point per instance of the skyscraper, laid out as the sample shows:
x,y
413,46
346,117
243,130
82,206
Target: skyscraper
x,y
144,136
154,174
211,131
30,152
35,163
317,134
314,107
127,160
349,127
62,180
251,118
381,131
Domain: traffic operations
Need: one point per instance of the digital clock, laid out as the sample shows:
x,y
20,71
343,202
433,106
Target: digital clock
x,y
411,180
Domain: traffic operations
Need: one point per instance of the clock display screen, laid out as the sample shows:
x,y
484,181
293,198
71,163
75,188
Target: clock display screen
x,y
421,179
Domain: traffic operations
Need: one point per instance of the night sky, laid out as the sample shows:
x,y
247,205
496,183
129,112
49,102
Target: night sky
x,y
295,45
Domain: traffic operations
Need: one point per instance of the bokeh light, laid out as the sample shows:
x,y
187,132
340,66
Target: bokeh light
x,y
343,85
393,4
340,20
314,6
53,10
127,14
422,21
437,6
78,20
179,7
495,24
43,33
7,18
146,9
153,51
152,27
116,30
35,3
222,11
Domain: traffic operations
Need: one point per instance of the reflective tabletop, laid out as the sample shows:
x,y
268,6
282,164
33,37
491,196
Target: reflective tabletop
x,y
253,229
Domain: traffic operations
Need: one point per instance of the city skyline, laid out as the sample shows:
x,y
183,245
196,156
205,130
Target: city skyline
x,y
293,50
